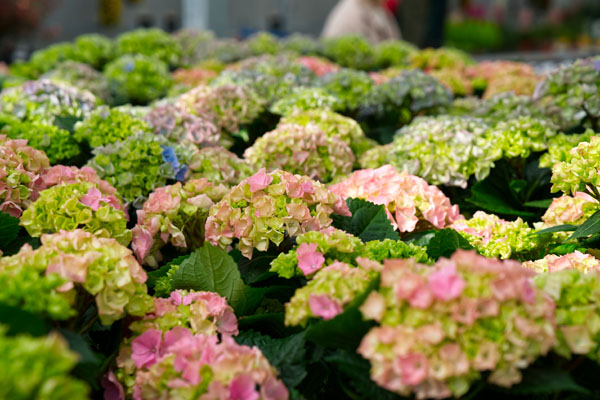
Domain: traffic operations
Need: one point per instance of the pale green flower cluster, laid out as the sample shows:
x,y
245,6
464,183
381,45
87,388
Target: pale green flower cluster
x,y
304,150
38,368
75,265
444,150
494,237
579,172
219,165
523,135
81,76
560,145
304,99
107,125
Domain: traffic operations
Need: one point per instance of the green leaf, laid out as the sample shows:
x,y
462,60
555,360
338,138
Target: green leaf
x,y
419,238
153,276
557,228
345,331
490,197
211,269
271,323
287,354
544,204
445,243
20,321
589,227
368,221
546,380
9,229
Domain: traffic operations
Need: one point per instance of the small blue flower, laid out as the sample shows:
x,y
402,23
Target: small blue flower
x,y
129,66
181,173
169,156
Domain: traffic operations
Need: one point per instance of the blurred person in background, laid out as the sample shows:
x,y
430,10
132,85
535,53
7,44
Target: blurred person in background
x,y
368,18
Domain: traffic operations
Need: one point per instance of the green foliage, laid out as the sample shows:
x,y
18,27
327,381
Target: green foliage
x,y
368,221
150,42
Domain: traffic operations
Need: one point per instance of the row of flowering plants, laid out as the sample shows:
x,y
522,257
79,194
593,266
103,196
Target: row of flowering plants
x,y
185,217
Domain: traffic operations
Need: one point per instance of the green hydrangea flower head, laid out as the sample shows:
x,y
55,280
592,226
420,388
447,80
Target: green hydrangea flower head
x,y
219,165
304,150
94,49
350,51
108,125
137,79
393,53
579,172
523,135
334,124
77,206
305,99
84,265
560,145
349,86
82,76
151,43
38,368
57,143
45,59
263,43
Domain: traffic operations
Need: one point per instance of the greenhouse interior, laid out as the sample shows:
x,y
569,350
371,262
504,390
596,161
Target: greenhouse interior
x,y
299,199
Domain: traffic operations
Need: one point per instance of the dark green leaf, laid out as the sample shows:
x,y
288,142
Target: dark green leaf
x,y
271,323
544,204
368,221
546,380
445,242
21,321
9,229
589,227
419,238
557,228
488,196
345,331
153,276
211,269
287,354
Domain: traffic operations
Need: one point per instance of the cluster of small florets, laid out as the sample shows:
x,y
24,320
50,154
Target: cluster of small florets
x,y
320,66
137,79
107,125
45,100
304,99
57,143
573,286
560,145
34,367
495,237
266,207
82,76
228,107
21,167
141,163
304,150
443,58
77,206
553,263
573,210
442,150
183,365
394,53
569,95
152,43
334,124
505,76
70,266
442,327
330,290
176,124
174,214
350,87
219,165
523,135
411,203
579,172
350,51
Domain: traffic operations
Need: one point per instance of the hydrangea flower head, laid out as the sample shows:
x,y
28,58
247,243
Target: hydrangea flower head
x,y
573,210
304,150
83,264
177,124
560,145
553,263
82,76
174,214
21,167
219,165
441,327
409,200
523,135
580,171
266,207
108,125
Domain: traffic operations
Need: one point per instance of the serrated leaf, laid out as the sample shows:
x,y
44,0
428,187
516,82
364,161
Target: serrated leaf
x,y
488,196
211,269
344,331
588,228
445,242
286,354
9,229
368,221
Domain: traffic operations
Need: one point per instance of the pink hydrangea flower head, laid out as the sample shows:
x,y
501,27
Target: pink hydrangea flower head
x,y
145,348
323,306
259,181
309,259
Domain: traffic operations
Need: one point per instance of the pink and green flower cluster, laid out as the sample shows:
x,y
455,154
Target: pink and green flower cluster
x,y
573,210
441,327
77,265
177,124
219,165
560,145
495,237
266,207
304,150
553,263
411,203
183,365
21,167
77,206
174,214
330,290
